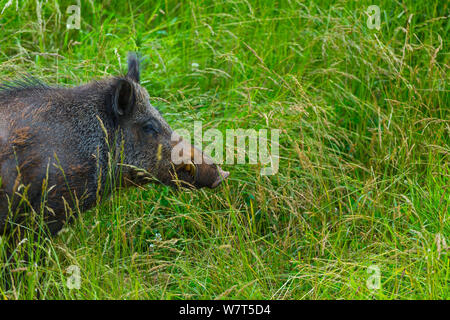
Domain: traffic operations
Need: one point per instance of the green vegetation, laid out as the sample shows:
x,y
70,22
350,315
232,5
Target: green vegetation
x,y
364,147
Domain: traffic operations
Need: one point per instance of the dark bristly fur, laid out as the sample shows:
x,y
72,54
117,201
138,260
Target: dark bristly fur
x,y
26,83
133,67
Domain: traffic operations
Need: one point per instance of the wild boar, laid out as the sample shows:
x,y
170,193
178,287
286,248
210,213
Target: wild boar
x,y
58,146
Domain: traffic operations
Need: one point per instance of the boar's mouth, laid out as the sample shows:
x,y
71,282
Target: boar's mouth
x,y
186,175
200,175
187,172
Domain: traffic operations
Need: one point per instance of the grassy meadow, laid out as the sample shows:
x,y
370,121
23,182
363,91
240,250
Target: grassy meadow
x,y
363,185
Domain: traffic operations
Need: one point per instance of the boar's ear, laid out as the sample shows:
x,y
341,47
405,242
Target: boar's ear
x,y
123,99
133,67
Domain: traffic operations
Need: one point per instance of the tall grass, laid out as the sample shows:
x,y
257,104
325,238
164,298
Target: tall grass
x,y
364,174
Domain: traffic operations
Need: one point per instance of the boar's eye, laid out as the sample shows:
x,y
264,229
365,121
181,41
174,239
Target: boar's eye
x,y
150,127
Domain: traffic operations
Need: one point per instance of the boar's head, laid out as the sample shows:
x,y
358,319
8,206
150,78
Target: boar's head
x,y
151,150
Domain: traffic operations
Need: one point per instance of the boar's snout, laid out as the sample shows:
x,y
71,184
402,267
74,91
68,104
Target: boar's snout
x,y
222,176
194,168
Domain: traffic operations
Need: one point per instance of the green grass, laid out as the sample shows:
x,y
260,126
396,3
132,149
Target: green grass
x,y
364,146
